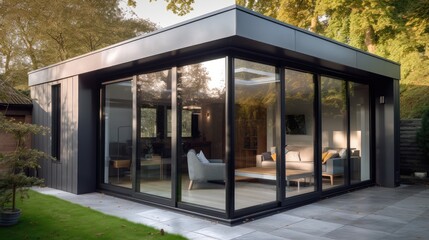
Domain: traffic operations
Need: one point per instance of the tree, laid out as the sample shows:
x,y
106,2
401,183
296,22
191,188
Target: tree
x,y
179,7
35,34
397,30
15,181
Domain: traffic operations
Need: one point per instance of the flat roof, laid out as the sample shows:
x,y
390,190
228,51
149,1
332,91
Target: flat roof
x,y
233,26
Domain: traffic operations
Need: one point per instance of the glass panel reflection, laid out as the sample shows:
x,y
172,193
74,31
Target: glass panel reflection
x,y
201,102
334,131
154,148
299,133
118,115
359,132
257,142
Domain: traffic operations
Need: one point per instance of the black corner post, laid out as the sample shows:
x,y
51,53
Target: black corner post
x,y
281,165
318,132
176,143
230,139
347,164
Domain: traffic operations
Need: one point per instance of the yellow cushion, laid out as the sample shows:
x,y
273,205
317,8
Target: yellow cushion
x,y
331,154
323,156
273,156
327,156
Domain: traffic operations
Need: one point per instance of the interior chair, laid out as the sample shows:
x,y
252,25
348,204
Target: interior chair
x,y
118,164
202,170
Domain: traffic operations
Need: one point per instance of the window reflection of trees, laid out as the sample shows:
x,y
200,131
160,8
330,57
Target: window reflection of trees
x,y
154,87
333,93
256,89
196,79
148,123
299,87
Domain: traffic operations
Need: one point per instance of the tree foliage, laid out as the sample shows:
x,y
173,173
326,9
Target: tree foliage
x,y
14,180
394,29
179,7
37,33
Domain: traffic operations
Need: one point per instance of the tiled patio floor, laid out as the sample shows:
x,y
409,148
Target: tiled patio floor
x,y
372,213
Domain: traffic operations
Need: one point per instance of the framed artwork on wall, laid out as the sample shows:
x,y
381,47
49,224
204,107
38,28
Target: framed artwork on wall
x,y
295,124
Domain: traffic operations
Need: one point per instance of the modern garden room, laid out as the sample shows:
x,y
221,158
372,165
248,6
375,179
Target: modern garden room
x,y
229,116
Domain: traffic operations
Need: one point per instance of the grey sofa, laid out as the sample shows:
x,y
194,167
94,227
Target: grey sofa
x,y
202,171
265,160
334,166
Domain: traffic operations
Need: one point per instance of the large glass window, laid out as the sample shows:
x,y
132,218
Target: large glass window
x,y
299,120
118,134
359,132
257,138
154,145
143,140
201,105
334,131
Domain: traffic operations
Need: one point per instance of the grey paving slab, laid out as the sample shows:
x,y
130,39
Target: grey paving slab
x,y
310,211
160,215
425,214
371,213
314,227
417,227
291,234
224,232
197,236
355,233
363,208
332,203
340,216
142,220
187,224
414,202
379,223
403,214
400,237
274,222
259,236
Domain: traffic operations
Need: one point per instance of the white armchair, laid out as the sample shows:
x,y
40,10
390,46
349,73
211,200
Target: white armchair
x,y
212,170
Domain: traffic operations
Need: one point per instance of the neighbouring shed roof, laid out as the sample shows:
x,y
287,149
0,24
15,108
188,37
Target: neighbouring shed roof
x,y
11,96
233,26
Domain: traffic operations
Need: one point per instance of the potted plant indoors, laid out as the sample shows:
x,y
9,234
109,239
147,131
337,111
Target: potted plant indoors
x,y
423,140
15,168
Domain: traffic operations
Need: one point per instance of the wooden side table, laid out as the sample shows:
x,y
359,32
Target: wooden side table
x,y
118,164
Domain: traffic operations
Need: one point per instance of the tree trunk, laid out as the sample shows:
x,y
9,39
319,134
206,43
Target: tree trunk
x,y
29,46
370,40
313,25
14,197
7,62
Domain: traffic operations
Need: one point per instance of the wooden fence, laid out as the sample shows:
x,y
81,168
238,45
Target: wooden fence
x,y
412,158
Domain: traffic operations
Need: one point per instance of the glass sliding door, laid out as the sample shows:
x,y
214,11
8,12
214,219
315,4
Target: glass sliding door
x,y
334,131
359,132
299,120
154,145
117,113
257,133
201,96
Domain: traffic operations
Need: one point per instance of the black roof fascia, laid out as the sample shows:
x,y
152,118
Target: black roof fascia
x,y
225,28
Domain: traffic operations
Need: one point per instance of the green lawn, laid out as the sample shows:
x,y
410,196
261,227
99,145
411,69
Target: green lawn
x,y
47,217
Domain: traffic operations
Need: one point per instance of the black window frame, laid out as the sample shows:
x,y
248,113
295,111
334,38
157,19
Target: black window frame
x,y
56,121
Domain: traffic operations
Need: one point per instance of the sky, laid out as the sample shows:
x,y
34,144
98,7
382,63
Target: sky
x,y
156,11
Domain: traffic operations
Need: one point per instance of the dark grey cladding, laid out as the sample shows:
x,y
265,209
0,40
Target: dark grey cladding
x,y
229,27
